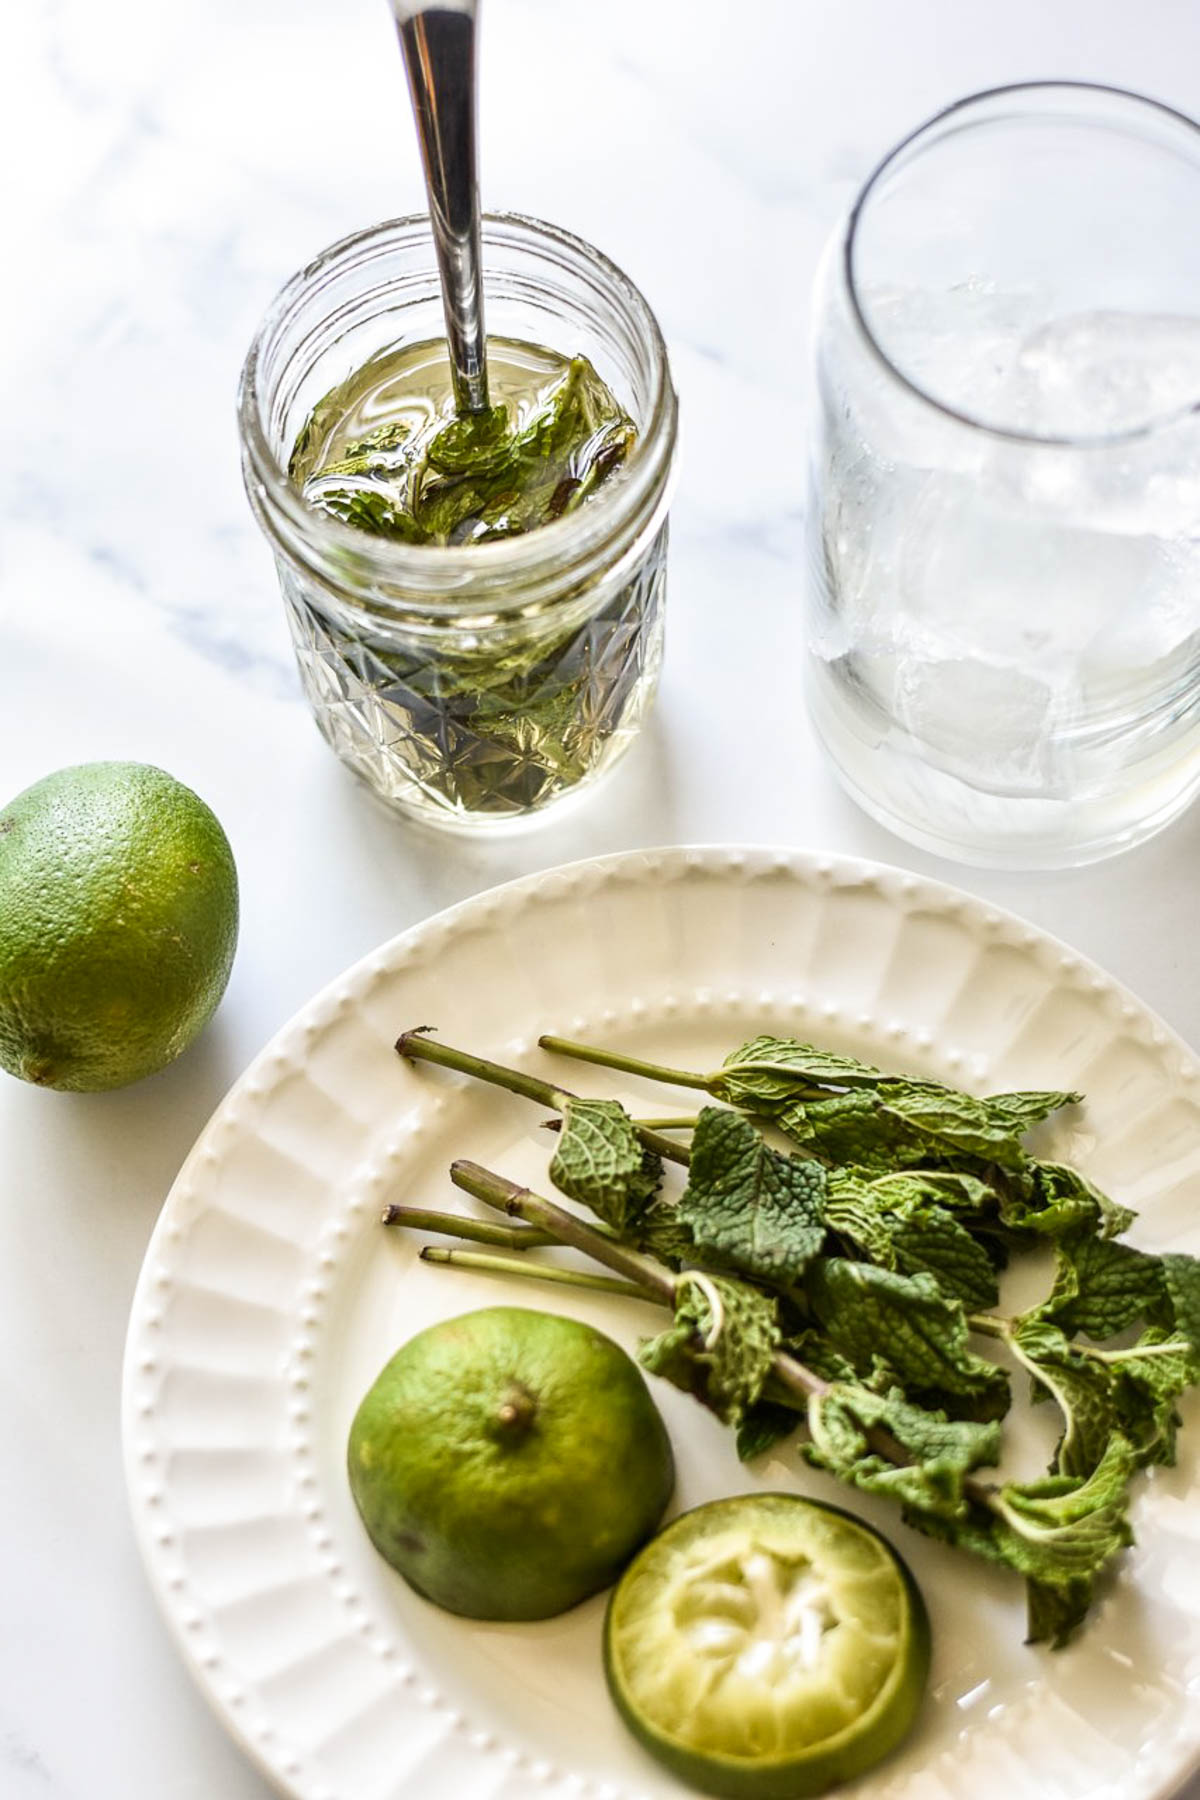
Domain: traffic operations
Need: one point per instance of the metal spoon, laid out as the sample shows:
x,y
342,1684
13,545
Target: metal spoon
x,y
437,41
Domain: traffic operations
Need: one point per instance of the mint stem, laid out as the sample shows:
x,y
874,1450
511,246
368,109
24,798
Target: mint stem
x,y
475,1231
485,1263
668,1124
418,1046
519,1202
628,1065
988,1325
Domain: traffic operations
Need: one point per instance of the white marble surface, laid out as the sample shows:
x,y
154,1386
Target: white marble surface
x,y
164,171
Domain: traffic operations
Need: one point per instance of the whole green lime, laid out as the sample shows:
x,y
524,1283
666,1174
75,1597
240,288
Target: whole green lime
x,y
118,924
508,1463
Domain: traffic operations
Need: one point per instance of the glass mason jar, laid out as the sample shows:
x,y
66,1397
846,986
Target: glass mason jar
x,y
469,686
1004,509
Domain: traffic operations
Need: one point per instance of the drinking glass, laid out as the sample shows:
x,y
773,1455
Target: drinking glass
x,y
1004,510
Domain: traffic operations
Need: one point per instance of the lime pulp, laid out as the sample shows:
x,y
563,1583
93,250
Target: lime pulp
x,y
766,1647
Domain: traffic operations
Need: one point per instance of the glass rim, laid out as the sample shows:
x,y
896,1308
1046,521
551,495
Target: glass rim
x,y
459,571
973,422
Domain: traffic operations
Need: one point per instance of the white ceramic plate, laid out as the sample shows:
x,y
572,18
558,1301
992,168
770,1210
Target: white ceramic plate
x,y
271,1296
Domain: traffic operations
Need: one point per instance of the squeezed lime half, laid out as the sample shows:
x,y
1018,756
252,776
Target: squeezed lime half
x,y
766,1647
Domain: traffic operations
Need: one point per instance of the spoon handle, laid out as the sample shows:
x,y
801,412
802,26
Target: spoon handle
x,y
438,45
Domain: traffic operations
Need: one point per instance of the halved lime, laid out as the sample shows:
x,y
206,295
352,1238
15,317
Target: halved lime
x,y
766,1647
509,1462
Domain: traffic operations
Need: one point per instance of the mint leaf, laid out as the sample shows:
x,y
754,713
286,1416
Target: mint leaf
x,y
374,454
872,1314
1083,1390
852,1129
1181,1284
932,1240
757,1210
954,1123
478,443
894,1224
1130,1391
1060,1530
720,1346
1102,1286
1059,1533
663,1233
1054,1614
1150,1376
952,1188
1020,1112
763,1425
766,1073
368,508
601,1162
1061,1199
940,1452
812,1348
851,1211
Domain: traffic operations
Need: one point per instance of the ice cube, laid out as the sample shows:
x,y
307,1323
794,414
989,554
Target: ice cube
x,y
995,728
959,345
982,575
1148,656
1094,374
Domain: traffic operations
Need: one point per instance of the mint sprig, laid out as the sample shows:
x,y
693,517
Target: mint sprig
x,y
843,1288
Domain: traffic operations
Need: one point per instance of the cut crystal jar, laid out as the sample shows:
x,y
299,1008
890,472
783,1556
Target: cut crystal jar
x,y
469,686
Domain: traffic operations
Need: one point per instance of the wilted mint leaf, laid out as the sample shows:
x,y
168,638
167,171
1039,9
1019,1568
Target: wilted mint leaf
x,y
1054,1614
1059,1200
1130,1392
753,1208
374,454
1082,1388
721,1345
935,1453
1063,1529
368,508
1059,1533
812,1348
479,443
1149,1377
601,1162
955,1189
872,1314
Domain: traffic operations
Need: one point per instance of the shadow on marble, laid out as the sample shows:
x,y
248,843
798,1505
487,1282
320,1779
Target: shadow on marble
x,y
633,807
